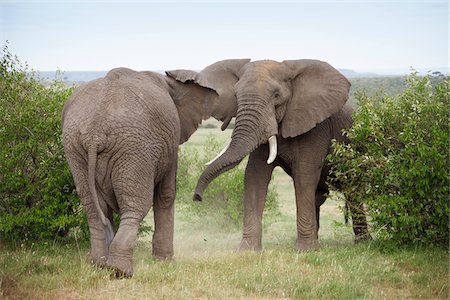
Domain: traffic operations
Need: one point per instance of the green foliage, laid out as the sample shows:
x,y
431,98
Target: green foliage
x,y
37,193
224,196
397,161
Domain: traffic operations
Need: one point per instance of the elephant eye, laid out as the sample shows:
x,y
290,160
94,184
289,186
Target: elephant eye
x,y
277,98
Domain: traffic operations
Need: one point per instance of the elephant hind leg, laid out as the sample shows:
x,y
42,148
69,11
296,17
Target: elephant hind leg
x,y
122,247
133,187
320,199
99,237
359,221
321,193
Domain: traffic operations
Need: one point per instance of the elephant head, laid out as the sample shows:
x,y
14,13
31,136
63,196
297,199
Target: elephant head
x,y
194,98
270,99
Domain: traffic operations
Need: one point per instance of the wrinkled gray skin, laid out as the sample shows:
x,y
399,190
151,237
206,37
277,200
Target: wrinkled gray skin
x,y
121,135
302,103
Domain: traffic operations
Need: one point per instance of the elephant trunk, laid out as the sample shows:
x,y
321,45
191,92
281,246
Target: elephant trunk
x,y
245,139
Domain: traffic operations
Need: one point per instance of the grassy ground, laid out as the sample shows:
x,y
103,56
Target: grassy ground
x,y
206,266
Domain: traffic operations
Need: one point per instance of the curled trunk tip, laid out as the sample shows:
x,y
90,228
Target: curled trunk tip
x,y
197,197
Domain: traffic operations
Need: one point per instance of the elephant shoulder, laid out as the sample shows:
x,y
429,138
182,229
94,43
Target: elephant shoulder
x,y
132,78
120,73
83,99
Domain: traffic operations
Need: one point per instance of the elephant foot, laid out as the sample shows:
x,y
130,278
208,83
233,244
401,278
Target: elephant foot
x,y
306,245
99,252
98,261
98,256
162,252
363,238
163,257
122,267
249,245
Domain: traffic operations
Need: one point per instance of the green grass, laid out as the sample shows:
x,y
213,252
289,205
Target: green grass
x,y
197,140
206,267
340,271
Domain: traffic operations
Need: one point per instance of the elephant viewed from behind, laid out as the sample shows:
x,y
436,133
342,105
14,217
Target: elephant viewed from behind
x,y
121,135
286,115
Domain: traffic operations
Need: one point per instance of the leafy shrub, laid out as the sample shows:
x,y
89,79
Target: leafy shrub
x,y
397,161
224,195
37,193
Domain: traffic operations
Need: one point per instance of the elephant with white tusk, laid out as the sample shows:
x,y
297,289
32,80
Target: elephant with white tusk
x,y
297,107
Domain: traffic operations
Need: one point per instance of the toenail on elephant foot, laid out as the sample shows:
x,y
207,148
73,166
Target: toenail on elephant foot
x,y
121,267
306,245
98,261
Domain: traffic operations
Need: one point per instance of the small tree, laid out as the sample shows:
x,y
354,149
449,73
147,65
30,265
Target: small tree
x,y
397,161
37,193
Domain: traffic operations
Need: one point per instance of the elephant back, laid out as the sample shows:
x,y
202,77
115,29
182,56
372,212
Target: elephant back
x,y
125,104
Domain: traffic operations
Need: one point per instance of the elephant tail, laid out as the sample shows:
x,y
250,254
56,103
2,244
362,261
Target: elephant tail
x,y
92,163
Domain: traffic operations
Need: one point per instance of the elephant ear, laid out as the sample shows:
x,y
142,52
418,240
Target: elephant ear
x,y
186,76
318,91
223,75
194,98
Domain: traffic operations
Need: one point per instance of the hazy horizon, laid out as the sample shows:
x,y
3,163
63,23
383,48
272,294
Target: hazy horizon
x,y
375,71
84,75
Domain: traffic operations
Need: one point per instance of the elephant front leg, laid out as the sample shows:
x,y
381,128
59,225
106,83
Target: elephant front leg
x,y
162,243
307,212
256,181
163,209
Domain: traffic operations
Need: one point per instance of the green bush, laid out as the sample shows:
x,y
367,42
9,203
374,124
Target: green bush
x,y
397,161
224,195
37,193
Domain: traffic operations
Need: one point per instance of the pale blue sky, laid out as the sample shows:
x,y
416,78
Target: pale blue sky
x,y
156,35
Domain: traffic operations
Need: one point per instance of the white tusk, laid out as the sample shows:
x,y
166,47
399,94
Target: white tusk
x,y
218,155
272,149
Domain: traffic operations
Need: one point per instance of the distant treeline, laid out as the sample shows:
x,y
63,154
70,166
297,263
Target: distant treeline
x,y
388,85
392,86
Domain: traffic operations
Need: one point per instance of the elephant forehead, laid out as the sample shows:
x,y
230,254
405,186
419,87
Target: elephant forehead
x,y
266,66
264,70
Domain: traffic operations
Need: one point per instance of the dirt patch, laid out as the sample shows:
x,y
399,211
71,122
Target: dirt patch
x,y
10,289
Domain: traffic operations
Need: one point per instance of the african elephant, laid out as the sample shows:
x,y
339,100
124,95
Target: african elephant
x,y
121,135
298,107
